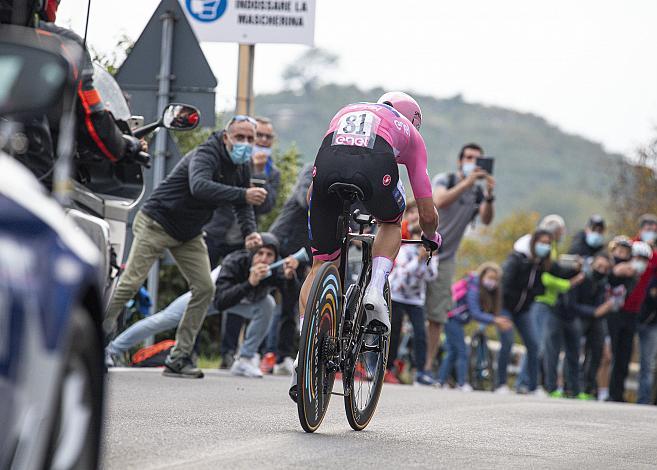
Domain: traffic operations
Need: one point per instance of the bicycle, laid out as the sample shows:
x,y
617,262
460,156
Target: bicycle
x,y
334,337
481,371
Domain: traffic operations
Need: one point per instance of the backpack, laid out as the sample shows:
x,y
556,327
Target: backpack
x,y
479,197
460,306
153,356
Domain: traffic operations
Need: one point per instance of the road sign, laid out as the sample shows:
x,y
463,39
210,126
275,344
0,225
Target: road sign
x,y
192,80
252,21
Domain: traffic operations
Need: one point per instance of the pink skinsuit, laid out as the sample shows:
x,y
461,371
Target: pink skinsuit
x,y
358,124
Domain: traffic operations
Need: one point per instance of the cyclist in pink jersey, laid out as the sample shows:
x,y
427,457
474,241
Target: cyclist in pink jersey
x,y
363,146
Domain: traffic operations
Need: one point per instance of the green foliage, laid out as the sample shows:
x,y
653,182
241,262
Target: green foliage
x,y
305,74
494,243
288,164
538,167
112,61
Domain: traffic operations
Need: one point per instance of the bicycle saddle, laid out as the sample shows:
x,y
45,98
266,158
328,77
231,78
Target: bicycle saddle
x,y
346,191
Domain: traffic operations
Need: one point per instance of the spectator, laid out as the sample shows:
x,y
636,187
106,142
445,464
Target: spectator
x,y
408,283
459,200
213,174
225,231
630,284
648,317
559,327
411,218
521,283
483,303
554,224
244,289
291,229
588,302
590,241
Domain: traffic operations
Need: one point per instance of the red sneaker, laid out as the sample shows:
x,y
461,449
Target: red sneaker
x,y
268,362
390,378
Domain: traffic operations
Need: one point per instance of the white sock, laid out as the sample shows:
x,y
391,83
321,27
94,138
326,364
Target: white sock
x,y
381,267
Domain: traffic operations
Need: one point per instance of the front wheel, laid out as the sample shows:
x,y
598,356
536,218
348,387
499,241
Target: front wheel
x,y
364,379
318,346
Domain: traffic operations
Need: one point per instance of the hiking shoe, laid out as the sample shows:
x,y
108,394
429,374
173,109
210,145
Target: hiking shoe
x,y
390,377
182,367
285,368
246,368
227,360
268,362
466,387
376,311
556,394
423,378
503,390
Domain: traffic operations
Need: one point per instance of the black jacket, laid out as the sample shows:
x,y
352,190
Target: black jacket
x,y
521,282
203,180
291,225
233,286
648,315
580,247
225,216
582,300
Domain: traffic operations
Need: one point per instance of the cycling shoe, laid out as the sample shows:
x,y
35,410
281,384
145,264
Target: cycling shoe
x,y
376,312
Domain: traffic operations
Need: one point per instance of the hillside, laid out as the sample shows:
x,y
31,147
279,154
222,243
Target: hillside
x,y
538,167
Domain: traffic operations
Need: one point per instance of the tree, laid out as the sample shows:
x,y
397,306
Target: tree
x,y
113,60
288,164
306,73
634,192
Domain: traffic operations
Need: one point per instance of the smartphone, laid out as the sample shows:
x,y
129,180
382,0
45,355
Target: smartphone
x,y
486,163
571,262
258,183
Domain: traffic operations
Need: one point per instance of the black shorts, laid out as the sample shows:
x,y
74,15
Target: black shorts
x,y
373,170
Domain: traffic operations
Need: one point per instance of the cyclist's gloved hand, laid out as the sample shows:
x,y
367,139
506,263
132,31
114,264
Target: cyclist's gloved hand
x,y
434,243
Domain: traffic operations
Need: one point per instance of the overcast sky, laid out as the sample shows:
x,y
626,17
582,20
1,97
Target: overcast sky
x,y
587,65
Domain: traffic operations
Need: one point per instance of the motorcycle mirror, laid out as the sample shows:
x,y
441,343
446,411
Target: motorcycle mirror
x,y
32,78
180,117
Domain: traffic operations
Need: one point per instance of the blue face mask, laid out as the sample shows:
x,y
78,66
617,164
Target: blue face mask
x,y
594,239
648,236
468,168
542,250
241,153
265,150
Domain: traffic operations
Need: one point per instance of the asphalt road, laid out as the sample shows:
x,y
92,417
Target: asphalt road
x,y
225,422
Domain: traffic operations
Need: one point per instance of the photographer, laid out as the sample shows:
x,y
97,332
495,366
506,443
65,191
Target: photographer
x,y
244,289
459,199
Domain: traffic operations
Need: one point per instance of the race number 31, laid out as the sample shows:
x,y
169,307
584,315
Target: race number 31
x,y
357,128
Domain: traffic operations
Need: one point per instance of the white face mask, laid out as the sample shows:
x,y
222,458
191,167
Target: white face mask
x,y
468,168
639,265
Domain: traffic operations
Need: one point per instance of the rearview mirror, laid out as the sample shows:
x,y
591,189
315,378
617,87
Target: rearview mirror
x,y
179,117
32,79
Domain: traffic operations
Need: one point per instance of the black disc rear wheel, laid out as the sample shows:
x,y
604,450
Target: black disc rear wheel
x,y
364,379
318,347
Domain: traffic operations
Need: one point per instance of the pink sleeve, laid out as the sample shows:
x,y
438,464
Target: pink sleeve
x,y
416,165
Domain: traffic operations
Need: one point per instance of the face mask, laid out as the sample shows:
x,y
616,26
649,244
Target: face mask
x,y
542,250
594,239
265,150
241,153
648,236
468,168
489,285
639,266
618,260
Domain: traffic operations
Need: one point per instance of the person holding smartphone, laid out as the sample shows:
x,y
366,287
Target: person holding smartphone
x,y
459,199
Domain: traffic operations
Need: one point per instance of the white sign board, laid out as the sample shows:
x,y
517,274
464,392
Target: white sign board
x,y
252,21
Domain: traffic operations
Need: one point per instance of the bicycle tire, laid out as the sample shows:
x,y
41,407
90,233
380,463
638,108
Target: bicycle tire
x,y
321,320
360,414
481,370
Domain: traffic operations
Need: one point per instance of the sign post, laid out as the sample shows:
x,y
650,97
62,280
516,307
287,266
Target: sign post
x,y
244,101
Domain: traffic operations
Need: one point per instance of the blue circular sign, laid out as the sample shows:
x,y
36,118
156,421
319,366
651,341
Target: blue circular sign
x,y
206,11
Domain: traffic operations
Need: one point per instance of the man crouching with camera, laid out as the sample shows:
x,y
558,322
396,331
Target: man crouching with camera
x,y
244,288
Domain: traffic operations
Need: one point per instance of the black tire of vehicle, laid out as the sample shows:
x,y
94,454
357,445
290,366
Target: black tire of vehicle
x,y
321,320
84,355
359,418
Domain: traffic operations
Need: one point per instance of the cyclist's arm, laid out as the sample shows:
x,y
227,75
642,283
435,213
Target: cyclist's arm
x,y
428,216
420,183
